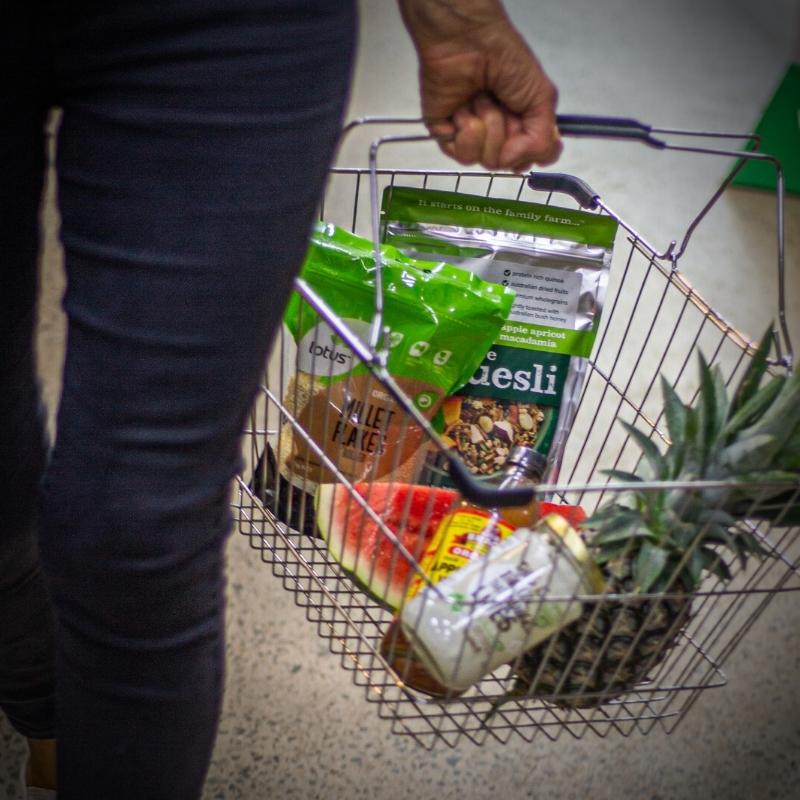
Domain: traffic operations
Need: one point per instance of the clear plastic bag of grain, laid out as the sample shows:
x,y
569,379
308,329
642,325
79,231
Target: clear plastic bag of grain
x,y
526,388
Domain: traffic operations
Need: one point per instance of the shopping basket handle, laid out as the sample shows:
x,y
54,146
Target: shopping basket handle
x,y
594,127
482,493
607,128
561,182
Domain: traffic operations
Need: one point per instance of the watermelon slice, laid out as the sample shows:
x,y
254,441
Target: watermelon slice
x,y
357,542
411,512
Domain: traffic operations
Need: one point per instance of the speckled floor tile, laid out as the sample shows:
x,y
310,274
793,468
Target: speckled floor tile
x,y
296,727
12,752
294,724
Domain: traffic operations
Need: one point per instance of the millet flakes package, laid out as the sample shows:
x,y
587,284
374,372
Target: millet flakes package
x,y
440,321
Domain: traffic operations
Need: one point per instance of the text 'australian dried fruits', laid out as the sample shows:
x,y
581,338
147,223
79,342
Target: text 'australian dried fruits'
x,y
526,389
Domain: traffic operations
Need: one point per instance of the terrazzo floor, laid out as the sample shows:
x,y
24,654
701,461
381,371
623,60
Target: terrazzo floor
x,y
294,724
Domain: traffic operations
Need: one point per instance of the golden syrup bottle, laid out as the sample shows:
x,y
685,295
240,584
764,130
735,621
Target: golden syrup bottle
x,y
468,531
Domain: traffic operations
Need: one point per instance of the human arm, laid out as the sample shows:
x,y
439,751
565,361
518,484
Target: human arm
x,y
481,85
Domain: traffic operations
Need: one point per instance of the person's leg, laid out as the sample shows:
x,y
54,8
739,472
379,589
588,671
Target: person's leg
x,y
26,625
194,142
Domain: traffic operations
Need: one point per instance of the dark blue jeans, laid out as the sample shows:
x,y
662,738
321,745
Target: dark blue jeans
x,y
195,139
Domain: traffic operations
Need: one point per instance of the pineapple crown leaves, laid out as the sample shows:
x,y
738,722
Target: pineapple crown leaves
x,y
672,538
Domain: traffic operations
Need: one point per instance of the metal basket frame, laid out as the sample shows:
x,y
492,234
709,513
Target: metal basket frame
x,y
622,375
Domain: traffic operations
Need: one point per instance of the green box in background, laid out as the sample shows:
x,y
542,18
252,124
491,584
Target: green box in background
x,y
779,129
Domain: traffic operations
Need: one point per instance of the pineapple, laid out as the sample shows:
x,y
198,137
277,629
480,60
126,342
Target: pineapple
x,y
662,543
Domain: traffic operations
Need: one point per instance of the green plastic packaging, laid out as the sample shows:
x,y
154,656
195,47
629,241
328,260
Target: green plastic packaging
x,y
439,319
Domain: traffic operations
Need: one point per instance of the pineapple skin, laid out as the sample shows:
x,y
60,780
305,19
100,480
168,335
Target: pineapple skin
x,y
613,646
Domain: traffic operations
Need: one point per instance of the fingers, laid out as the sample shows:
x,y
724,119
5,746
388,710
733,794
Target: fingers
x,y
469,135
494,130
536,142
487,134
443,130
478,134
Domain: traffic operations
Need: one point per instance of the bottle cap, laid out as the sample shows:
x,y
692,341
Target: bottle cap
x,y
532,461
576,547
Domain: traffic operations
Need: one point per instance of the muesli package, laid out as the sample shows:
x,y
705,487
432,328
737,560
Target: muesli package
x,y
525,390
439,319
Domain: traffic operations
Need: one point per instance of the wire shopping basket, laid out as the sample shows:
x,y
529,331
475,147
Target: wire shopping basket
x,y
634,659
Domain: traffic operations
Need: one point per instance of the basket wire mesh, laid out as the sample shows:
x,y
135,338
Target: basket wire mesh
x,y
654,323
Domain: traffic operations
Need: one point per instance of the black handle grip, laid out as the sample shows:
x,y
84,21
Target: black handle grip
x,y
607,128
579,191
483,494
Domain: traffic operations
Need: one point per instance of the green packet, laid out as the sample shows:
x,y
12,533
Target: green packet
x,y
526,389
440,319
